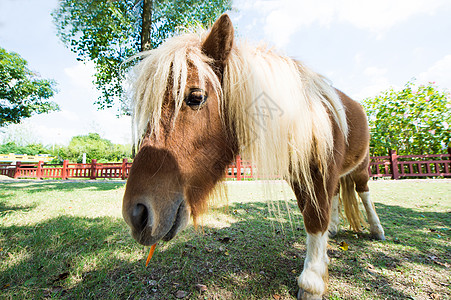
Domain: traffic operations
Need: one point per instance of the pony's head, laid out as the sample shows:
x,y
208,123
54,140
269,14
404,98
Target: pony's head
x,y
185,146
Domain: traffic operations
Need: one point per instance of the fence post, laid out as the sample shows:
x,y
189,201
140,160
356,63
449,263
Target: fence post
x,y
39,170
16,171
64,170
124,168
93,169
448,163
238,168
394,164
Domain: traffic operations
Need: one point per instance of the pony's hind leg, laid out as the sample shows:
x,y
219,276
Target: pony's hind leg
x,y
334,216
376,229
361,186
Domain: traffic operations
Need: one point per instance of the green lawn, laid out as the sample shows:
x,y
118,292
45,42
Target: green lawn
x,y
68,240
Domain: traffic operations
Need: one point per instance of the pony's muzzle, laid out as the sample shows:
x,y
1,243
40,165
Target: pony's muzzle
x,y
150,223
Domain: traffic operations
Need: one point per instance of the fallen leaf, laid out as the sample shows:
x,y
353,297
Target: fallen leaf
x,y
152,282
436,296
343,246
201,287
436,261
181,294
276,297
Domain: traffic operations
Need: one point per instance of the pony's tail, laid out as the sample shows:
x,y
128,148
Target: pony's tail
x,y
350,201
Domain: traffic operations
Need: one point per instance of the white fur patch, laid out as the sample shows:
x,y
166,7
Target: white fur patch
x,y
315,264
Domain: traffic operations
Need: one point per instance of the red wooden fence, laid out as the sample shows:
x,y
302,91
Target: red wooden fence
x,y
393,165
67,170
404,166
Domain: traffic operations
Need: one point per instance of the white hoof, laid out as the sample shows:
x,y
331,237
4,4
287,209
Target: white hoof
x,y
303,295
311,283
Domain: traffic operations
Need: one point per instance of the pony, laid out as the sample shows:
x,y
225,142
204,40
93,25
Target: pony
x,y
201,98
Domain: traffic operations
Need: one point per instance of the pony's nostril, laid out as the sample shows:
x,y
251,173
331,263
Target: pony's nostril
x,y
140,217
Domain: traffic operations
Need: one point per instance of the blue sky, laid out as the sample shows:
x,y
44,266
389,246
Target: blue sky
x,y
363,47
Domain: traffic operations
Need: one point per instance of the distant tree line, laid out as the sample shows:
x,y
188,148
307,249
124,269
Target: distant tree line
x,y
92,144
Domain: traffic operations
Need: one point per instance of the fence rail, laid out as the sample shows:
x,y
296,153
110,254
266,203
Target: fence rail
x,y
67,170
393,166
405,166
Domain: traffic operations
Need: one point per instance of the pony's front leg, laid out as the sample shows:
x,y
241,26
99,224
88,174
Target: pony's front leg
x,y
314,277
313,280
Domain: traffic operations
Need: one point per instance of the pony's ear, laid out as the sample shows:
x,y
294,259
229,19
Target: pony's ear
x,y
219,41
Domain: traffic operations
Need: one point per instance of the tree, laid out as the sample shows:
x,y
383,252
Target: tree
x,y
22,92
415,120
95,147
110,32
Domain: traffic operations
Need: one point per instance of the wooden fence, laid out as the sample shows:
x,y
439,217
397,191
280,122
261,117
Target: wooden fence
x,y
67,170
404,166
393,166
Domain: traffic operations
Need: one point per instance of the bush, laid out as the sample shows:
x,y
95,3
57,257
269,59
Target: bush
x,y
415,120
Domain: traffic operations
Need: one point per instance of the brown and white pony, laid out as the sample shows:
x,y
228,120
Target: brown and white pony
x,y
202,98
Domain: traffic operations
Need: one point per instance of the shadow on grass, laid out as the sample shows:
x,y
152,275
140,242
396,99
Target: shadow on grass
x,y
5,208
421,230
36,186
86,258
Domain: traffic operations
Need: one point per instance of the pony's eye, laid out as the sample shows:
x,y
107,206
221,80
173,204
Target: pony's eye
x,y
196,98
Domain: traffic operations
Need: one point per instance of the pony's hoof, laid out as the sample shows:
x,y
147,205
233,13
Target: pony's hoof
x,y
304,295
378,236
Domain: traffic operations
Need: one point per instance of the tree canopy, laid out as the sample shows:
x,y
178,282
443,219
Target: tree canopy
x,y
22,92
414,120
95,147
30,149
110,32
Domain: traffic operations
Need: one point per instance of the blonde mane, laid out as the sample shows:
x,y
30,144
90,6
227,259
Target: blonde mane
x,y
279,110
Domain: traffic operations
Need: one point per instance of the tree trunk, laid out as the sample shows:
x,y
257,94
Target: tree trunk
x,y
146,25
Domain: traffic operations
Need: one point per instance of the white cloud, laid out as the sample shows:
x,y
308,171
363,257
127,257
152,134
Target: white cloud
x,y
375,72
286,17
283,18
118,130
439,72
379,16
377,81
81,75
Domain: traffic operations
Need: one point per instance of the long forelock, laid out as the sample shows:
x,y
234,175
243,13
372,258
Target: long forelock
x,y
167,68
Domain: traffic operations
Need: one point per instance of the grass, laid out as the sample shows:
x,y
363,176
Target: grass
x,y
67,240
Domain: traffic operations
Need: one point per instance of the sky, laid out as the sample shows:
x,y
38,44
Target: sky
x,y
362,46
